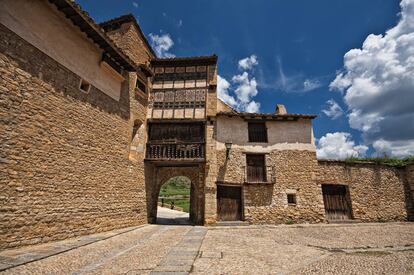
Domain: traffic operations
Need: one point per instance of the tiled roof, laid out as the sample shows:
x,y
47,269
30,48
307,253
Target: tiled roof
x,y
118,21
267,116
87,25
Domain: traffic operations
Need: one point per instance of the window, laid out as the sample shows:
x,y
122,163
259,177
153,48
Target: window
x,y
84,86
141,86
257,132
256,171
291,198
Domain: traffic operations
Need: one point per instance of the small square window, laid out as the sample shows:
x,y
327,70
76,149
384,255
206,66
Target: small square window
x,y
84,86
141,86
291,198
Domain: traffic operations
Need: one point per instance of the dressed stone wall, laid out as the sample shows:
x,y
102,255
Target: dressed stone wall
x,y
64,153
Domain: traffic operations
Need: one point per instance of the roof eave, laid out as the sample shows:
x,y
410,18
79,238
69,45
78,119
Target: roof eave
x,y
79,18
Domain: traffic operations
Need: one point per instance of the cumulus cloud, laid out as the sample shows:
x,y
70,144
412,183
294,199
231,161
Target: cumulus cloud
x,y
398,148
161,44
243,86
248,62
378,86
252,107
244,89
223,91
334,110
339,145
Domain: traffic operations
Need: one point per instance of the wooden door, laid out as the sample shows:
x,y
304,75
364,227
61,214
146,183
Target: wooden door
x,y
336,201
229,205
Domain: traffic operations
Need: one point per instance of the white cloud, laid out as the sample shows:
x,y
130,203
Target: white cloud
x,y
311,84
378,86
223,91
248,62
161,44
252,107
334,110
339,145
135,4
244,89
393,148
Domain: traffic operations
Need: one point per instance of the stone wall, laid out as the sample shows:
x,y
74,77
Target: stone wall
x,y
64,153
290,171
409,170
128,38
47,29
377,191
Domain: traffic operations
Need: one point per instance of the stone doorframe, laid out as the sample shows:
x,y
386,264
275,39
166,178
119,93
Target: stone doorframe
x,y
157,174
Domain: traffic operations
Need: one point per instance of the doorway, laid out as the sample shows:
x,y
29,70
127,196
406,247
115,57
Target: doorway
x,y
229,203
337,202
174,201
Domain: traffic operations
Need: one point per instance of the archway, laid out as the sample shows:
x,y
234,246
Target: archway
x,y
156,176
174,201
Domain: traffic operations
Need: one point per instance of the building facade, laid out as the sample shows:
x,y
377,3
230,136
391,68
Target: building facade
x,y
93,123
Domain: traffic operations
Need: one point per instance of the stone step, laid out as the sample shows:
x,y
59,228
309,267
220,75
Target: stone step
x,y
232,223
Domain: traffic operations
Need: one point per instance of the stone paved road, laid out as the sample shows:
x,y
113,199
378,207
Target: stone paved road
x,y
179,249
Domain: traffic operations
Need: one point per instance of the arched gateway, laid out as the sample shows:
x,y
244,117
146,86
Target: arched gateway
x,y
161,174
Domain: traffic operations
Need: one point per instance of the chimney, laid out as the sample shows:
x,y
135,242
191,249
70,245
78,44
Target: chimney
x,y
280,109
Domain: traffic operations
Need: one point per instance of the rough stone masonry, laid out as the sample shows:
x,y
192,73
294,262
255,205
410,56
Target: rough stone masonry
x,y
89,133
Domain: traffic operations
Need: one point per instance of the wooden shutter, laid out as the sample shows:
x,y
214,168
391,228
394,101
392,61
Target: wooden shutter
x,y
256,168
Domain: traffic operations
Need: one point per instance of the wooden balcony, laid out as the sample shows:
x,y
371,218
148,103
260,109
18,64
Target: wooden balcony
x,y
259,175
175,151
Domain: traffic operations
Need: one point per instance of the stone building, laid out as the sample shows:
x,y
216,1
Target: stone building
x,y
93,123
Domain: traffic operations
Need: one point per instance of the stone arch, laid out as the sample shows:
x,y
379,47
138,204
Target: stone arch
x,y
157,176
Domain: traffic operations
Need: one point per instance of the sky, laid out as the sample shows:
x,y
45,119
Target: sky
x,y
349,62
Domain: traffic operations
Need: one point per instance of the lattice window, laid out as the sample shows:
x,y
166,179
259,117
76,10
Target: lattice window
x,y
257,132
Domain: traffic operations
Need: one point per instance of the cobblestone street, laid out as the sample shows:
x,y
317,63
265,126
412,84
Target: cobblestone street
x,y
386,248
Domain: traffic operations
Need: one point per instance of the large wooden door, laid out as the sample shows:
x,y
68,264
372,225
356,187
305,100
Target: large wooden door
x,y
336,201
229,204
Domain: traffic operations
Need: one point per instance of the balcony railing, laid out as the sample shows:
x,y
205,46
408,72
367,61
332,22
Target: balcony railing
x,y
175,151
253,174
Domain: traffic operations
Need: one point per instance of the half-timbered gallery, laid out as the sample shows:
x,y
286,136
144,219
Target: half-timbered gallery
x,y
94,123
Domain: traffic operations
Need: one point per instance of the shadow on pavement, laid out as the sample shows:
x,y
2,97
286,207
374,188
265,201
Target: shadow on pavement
x,y
167,216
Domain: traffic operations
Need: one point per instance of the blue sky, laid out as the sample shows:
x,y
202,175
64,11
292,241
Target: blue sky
x,y
299,48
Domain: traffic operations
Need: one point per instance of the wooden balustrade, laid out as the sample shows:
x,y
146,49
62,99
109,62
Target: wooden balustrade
x,y
175,151
256,174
